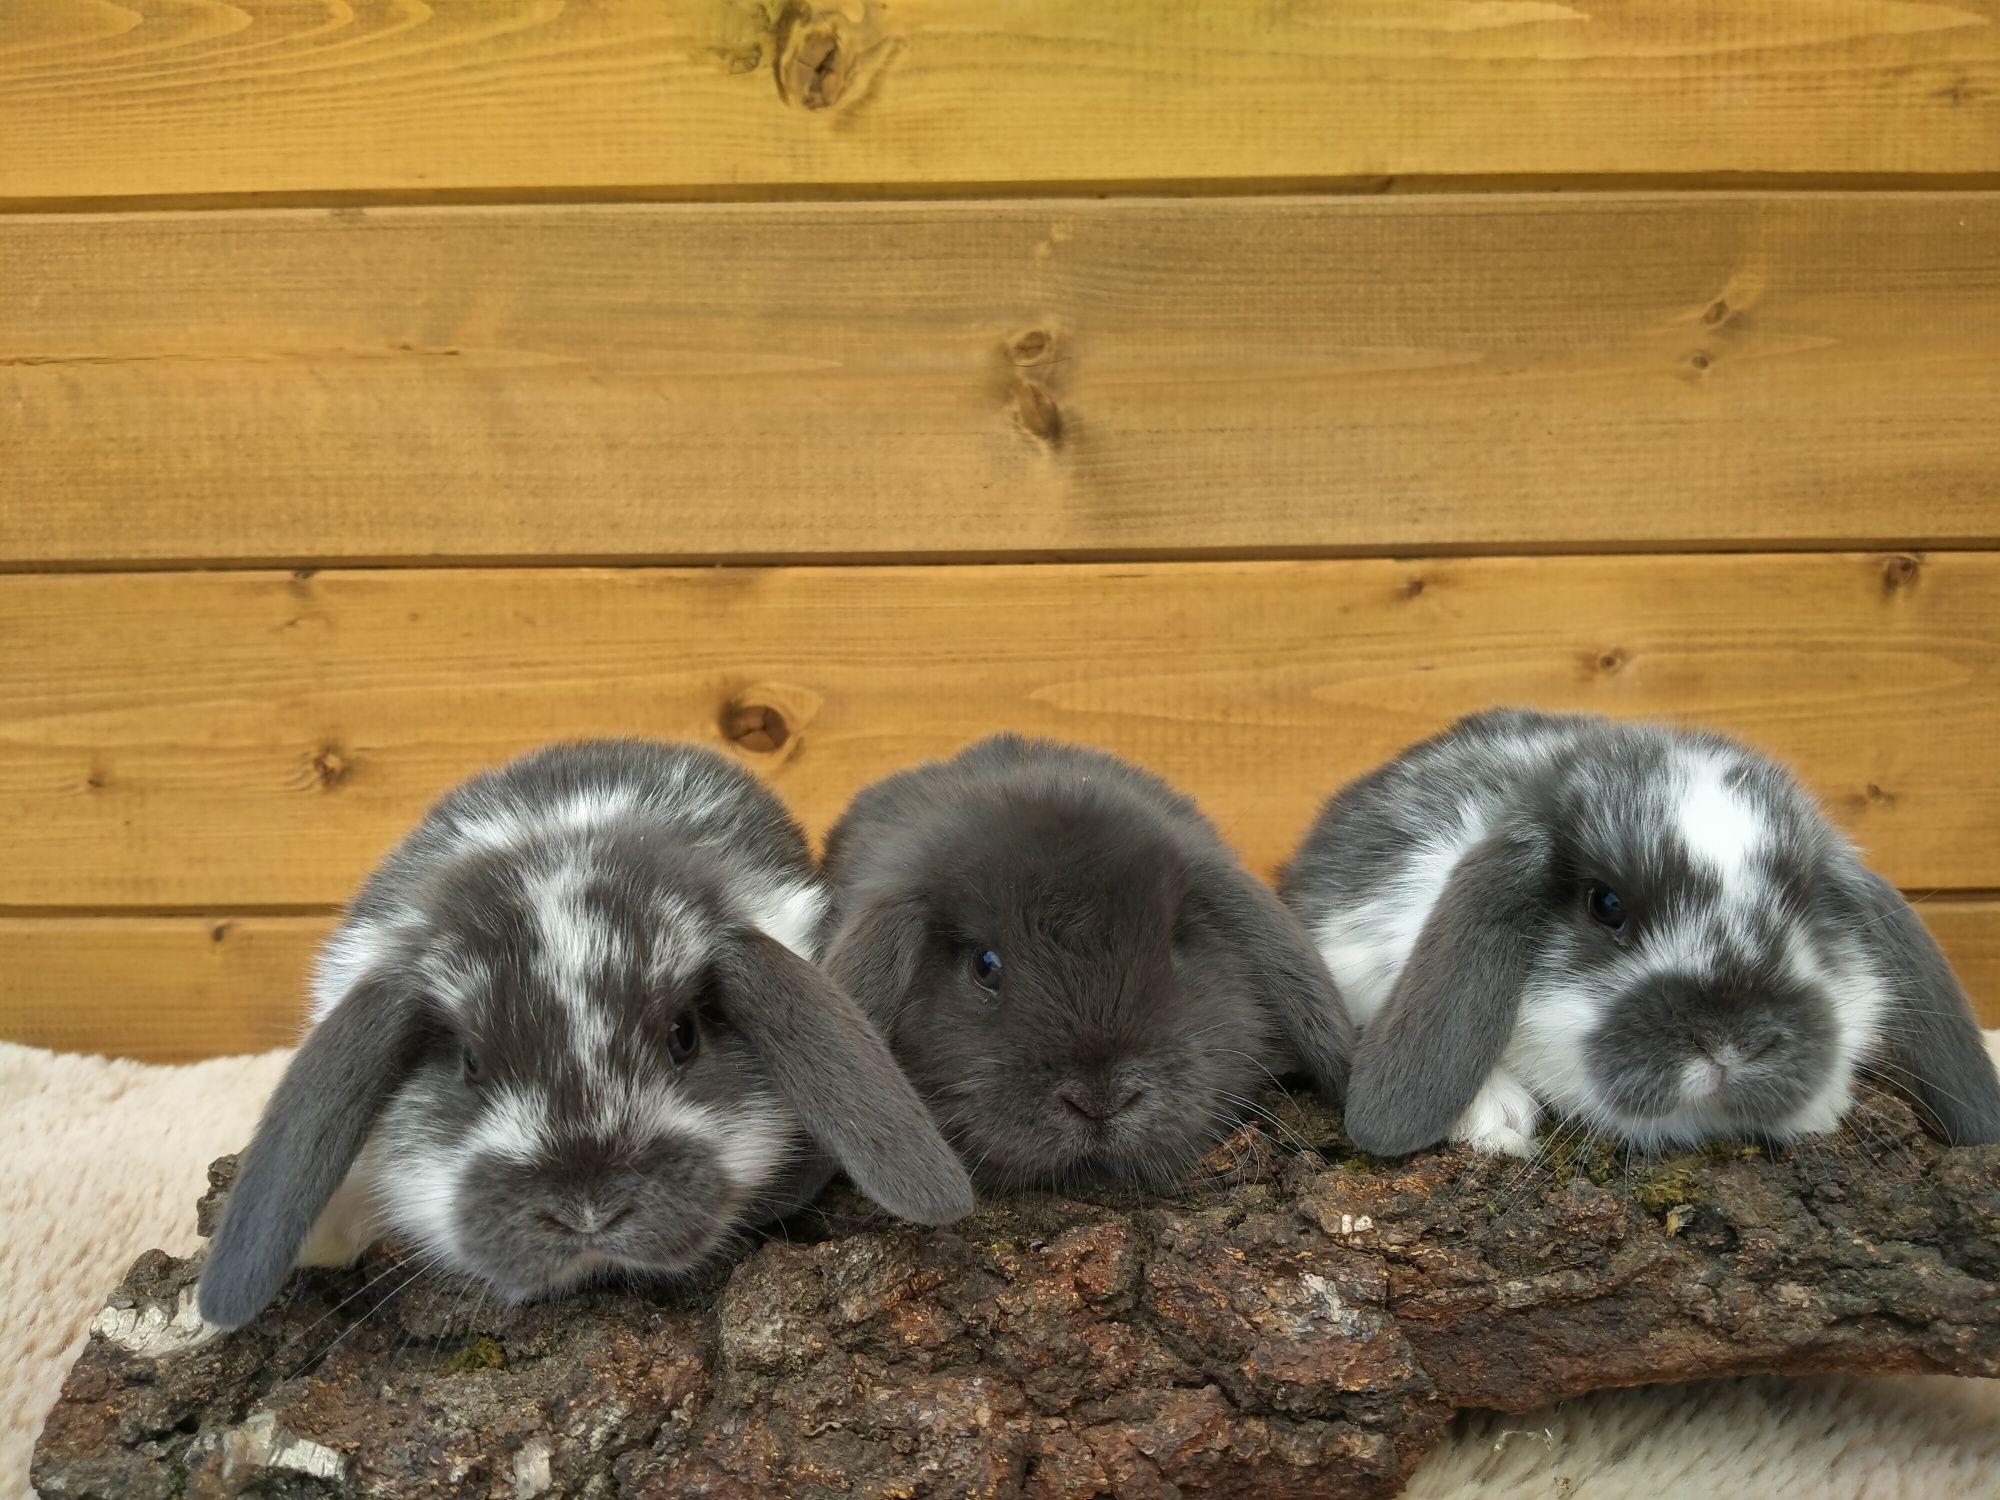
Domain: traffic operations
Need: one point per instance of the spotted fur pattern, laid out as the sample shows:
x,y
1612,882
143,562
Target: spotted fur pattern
x,y
1740,996
500,1040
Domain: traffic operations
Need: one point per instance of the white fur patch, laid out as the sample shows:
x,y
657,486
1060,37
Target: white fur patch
x,y
574,951
789,914
453,976
504,826
1501,1118
514,1127
750,1139
354,948
418,1184
681,940
1722,829
1366,946
758,1138
1860,999
1700,1078
345,1227
1687,945
1546,1053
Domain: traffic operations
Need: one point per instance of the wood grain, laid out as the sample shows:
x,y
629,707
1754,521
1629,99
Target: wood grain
x,y
1025,380
161,989
176,989
188,741
151,98
1969,932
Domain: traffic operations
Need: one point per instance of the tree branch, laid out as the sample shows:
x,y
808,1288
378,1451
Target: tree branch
x,y
1295,1322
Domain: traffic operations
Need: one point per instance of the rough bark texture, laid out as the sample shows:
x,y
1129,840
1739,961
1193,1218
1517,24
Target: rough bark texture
x,y
1296,1322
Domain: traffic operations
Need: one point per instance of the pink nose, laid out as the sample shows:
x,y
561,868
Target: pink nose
x,y
1707,1072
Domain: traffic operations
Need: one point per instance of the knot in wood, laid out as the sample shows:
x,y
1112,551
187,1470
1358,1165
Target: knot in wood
x,y
758,728
1900,570
1037,412
329,766
824,59
1033,347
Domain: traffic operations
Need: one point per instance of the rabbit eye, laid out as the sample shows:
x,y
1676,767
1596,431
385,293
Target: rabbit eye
x,y
986,968
1607,908
683,1039
476,1075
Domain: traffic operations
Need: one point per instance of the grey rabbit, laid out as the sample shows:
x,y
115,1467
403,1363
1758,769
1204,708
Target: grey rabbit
x,y
571,1026
1654,931
1078,975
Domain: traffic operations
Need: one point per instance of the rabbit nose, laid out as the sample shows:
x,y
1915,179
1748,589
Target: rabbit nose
x,y
584,1215
1099,1101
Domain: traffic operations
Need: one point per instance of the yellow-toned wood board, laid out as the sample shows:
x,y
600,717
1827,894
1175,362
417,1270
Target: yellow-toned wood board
x,y
149,98
201,740
163,989
1080,379
175,989
1969,933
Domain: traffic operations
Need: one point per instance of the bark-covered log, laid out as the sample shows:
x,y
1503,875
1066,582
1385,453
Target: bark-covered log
x,y
1295,1322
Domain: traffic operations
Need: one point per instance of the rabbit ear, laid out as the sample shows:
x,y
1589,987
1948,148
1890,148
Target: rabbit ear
x,y
1290,980
837,1073
312,1130
1446,1023
874,954
1937,1054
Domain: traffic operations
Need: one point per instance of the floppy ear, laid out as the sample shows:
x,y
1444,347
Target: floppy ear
x,y
1939,1054
837,1073
1424,1056
312,1130
1286,973
875,952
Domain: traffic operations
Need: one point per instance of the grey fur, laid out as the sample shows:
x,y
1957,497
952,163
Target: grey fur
x,y
312,1129
1419,1063
1936,1052
837,1072
567,917
1739,996
1150,986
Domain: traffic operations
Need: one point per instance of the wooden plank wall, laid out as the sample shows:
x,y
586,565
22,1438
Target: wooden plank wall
x,y
1247,389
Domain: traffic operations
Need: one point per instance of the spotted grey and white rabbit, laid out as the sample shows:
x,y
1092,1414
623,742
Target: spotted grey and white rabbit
x,y
1082,980
1653,931
570,1026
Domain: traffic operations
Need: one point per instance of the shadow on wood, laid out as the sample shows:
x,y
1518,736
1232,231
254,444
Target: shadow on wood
x,y
1296,1321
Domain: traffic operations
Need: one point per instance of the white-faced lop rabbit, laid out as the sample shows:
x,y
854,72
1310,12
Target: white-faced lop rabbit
x,y
570,1026
1084,983
1655,932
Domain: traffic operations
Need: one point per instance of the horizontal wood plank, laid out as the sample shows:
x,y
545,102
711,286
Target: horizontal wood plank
x,y
1124,379
1969,932
162,989
176,989
188,741
509,96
